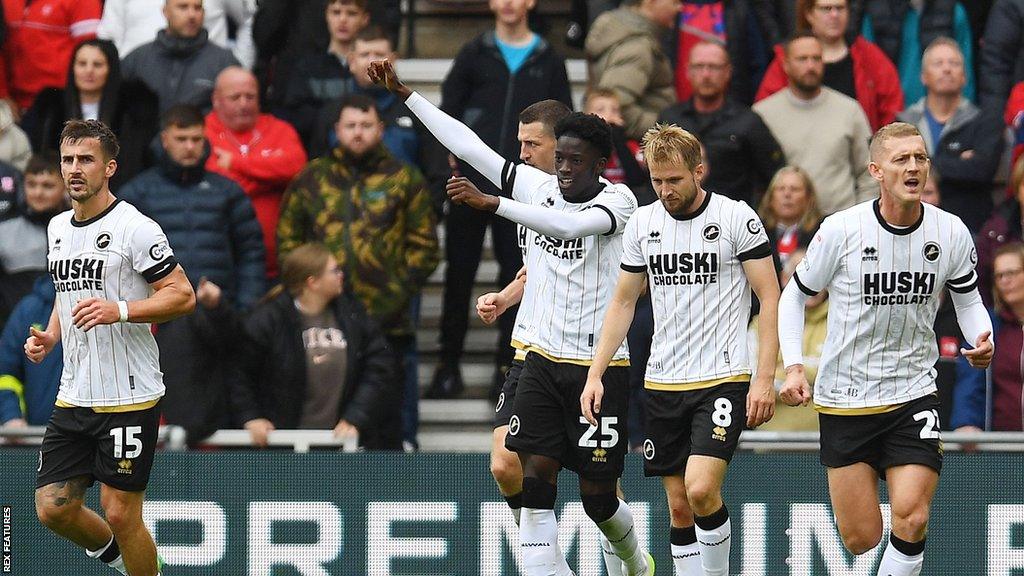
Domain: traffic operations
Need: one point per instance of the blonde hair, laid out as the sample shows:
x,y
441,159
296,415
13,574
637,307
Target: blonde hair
x,y
305,262
1015,249
670,143
812,215
890,132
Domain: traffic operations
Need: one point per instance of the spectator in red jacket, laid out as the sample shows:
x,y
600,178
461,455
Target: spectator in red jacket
x,y
1014,116
858,69
42,36
259,152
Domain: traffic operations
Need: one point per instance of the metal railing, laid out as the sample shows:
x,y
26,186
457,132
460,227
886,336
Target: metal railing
x,y
174,438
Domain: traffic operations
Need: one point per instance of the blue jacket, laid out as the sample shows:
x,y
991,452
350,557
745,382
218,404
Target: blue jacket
x,y
29,390
209,222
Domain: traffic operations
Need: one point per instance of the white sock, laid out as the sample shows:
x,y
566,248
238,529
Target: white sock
x,y
621,536
116,563
896,563
612,563
714,546
686,560
538,539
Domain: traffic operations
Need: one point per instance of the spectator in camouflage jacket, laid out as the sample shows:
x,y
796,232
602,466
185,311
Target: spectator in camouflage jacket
x,y
373,211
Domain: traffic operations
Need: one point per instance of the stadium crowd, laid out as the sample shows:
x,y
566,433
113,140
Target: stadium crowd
x,y
304,201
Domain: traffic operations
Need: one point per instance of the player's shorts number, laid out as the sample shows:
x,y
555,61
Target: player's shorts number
x,y
931,423
722,416
125,437
609,435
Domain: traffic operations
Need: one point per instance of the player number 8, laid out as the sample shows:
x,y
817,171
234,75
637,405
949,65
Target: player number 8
x,y
722,416
587,440
126,436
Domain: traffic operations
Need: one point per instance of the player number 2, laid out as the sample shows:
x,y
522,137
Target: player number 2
x,y
722,416
126,437
931,421
609,435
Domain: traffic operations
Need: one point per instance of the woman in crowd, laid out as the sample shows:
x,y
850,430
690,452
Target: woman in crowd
x,y
313,360
980,404
95,91
790,212
858,69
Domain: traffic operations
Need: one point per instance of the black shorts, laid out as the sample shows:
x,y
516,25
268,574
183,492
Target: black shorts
x,y
705,422
115,448
503,409
906,435
546,418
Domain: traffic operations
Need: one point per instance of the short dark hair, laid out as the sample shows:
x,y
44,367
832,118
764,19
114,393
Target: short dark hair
x,y
359,102
44,162
182,116
360,4
547,112
372,33
78,130
798,35
589,128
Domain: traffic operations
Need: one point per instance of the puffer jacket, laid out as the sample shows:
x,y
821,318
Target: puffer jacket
x,y
376,215
625,53
210,224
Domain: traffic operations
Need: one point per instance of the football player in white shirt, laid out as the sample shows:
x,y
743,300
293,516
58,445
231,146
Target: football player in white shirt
x,y
111,266
570,249
884,263
699,253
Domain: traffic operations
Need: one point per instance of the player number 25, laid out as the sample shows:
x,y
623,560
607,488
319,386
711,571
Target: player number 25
x,y
126,437
931,421
609,435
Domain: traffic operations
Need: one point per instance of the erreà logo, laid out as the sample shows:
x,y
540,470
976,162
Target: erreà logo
x,y
103,240
870,254
931,251
711,232
655,236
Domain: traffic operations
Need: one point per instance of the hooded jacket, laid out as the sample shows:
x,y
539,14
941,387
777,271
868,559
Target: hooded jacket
x,y
274,367
375,214
209,221
966,181
178,70
625,53
29,390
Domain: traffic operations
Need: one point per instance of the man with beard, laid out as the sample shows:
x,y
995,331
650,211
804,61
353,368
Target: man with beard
x,y
820,130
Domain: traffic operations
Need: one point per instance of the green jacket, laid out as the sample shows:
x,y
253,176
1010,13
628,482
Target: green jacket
x,y
375,215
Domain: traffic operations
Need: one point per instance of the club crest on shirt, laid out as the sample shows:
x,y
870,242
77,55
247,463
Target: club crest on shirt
x,y
711,232
103,240
931,251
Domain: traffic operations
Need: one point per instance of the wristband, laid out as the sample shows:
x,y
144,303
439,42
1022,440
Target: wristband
x,y
122,308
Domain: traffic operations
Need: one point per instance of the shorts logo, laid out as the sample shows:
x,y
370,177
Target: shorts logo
x,y
513,425
718,433
124,466
711,232
500,404
753,226
103,240
600,455
931,251
648,450
40,469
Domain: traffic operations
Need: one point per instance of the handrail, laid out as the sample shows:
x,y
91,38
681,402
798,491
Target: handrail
x,y
174,438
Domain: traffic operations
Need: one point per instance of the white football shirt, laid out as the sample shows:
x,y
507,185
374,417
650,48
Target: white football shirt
x,y
699,291
115,256
569,282
883,284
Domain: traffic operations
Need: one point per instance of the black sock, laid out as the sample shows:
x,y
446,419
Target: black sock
x,y
907,548
683,536
111,553
514,501
713,520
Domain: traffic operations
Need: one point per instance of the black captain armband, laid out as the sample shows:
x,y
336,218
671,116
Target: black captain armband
x,y
161,270
760,251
